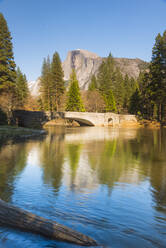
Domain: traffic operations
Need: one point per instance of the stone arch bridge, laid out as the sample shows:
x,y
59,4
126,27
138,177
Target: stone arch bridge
x,y
39,118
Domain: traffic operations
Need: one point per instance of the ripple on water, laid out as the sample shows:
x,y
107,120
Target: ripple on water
x,y
106,183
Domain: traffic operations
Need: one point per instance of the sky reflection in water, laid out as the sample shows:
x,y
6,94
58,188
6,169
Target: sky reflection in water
x,y
107,183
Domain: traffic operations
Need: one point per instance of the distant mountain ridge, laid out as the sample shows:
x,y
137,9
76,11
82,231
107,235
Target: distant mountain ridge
x,y
34,87
87,63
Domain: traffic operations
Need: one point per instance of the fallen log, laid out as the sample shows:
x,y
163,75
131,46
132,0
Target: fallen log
x,y
15,217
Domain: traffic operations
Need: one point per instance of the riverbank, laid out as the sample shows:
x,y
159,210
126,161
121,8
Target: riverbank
x,y
13,132
149,124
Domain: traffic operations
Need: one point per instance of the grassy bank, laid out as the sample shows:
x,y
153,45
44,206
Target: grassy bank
x,y
7,132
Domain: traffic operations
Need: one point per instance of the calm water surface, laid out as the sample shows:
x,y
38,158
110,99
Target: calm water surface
x,y
107,183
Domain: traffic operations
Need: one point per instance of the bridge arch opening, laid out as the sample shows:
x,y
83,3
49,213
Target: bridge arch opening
x,y
110,121
82,122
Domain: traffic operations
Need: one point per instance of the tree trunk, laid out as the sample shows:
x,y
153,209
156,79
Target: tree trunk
x,y
162,112
159,112
26,221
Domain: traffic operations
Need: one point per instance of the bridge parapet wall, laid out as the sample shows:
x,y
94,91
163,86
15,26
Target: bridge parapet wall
x,y
30,119
102,119
36,119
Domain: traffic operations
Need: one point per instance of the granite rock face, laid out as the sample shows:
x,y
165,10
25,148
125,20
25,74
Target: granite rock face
x,y
131,67
34,87
87,63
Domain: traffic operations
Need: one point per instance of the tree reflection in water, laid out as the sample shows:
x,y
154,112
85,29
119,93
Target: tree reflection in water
x,y
82,160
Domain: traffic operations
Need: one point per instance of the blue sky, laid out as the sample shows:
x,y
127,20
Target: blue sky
x,y
127,28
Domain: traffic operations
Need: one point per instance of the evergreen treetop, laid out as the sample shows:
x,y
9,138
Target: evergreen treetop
x,y
7,64
52,84
157,75
152,84
58,84
74,101
45,86
93,84
22,90
110,102
7,70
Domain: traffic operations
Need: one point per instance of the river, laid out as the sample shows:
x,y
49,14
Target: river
x,y
107,183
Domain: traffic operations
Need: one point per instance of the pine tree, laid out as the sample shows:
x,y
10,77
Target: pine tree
x,y
104,81
111,84
93,84
106,75
57,82
127,91
119,90
7,70
74,101
130,86
152,84
157,76
45,86
110,102
7,64
135,103
164,74
22,90
133,85
147,102
103,78
164,53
